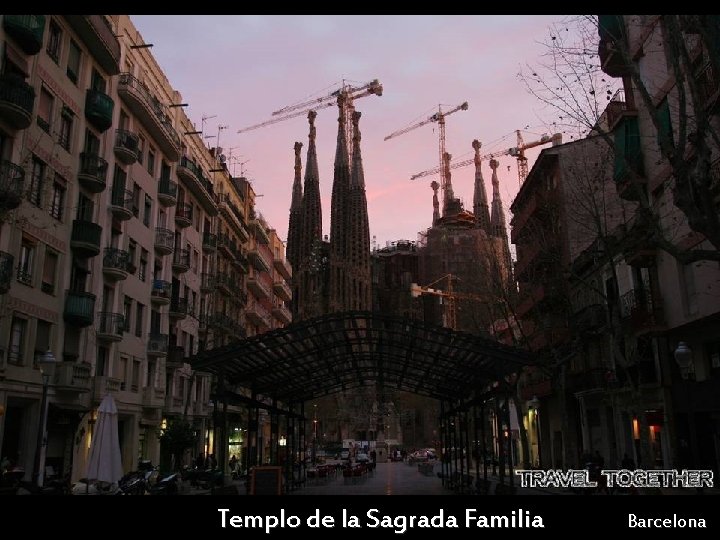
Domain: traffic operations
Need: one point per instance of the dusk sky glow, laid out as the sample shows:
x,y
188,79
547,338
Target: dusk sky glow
x,y
241,68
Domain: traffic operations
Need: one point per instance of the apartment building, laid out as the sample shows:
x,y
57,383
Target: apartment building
x,y
122,247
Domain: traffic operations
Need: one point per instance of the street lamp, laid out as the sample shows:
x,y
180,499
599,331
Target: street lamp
x,y
684,358
534,403
46,362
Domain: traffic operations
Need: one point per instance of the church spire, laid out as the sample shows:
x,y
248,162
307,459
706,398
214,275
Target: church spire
x,y
295,224
311,206
436,203
480,202
497,218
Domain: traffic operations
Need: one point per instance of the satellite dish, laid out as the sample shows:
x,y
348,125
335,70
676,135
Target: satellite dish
x,y
222,158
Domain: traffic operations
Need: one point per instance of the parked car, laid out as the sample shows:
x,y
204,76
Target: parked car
x,y
362,457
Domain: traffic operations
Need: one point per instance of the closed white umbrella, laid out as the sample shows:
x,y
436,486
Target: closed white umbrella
x,y
105,463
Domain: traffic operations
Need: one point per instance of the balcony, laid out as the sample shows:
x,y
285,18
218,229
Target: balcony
x,y
85,238
152,113
26,30
111,326
258,315
12,183
642,311
226,246
611,29
6,271
225,282
174,405
260,233
210,242
629,166
79,309
16,101
283,267
183,215
126,146
115,263
192,176
178,308
258,288
153,398
259,260
181,261
164,241
95,31
235,217
282,290
167,192
72,377
106,385
241,261
93,172
160,293
176,357
157,344
282,314
121,204
618,108
207,282
99,109
220,322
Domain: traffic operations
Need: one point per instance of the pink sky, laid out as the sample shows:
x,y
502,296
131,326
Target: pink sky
x,y
241,68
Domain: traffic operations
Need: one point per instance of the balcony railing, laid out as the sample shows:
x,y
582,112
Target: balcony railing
x,y
226,282
282,314
27,30
72,377
210,241
167,192
164,241
157,344
126,146
99,109
258,315
100,39
85,238
93,172
116,263
191,174
208,282
283,267
161,291
183,215
181,260
258,287
282,289
178,308
111,326
121,204
16,101
152,112
79,308
260,233
259,260
641,309
12,182
6,271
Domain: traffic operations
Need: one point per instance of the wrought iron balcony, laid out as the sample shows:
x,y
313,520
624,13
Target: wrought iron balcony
x,y
178,308
85,238
116,263
208,282
282,289
192,176
283,267
210,241
93,172
121,204
164,241
260,233
111,326
12,183
79,308
161,291
26,30
181,261
157,344
16,101
258,287
183,215
126,146
99,109
167,192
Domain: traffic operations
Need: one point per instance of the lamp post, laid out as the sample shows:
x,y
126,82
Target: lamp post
x,y
684,359
314,446
534,403
46,362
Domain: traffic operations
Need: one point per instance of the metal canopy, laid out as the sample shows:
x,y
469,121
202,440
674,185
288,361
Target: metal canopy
x,y
341,351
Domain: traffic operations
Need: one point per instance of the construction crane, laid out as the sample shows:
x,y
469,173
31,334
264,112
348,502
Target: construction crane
x,y
516,152
438,117
451,296
345,96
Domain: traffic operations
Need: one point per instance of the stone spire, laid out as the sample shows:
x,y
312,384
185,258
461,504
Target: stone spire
x,y
357,236
436,203
497,222
295,224
480,202
338,217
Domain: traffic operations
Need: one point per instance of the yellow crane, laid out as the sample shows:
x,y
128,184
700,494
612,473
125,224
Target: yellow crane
x,y
438,117
449,294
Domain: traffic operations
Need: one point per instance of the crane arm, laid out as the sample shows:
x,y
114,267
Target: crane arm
x,y
373,87
463,163
435,117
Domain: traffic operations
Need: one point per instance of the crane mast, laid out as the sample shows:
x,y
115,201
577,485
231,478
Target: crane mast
x,y
444,168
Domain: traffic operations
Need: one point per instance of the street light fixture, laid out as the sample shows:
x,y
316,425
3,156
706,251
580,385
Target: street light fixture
x,y
46,362
684,358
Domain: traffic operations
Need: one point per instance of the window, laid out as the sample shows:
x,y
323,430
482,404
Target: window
x,y
164,171
132,254
142,272
49,272
122,372
141,149
73,65
193,305
102,365
54,40
66,123
45,107
139,311
148,210
155,322
85,208
135,380
127,309
42,339
92,143
97,81
136,200
151,161
194,261
36,181
150,373
57,203
16,346
25,266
